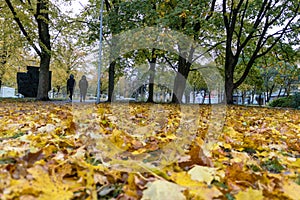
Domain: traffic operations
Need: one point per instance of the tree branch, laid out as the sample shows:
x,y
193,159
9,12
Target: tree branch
x,y
260,45
239,35
208,50
282,32
225,17
258,20
169,62
22,28
212,8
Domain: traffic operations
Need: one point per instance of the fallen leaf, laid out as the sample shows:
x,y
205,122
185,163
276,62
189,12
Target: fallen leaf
x,y
291,190
196,189
202,173
162,190
250,194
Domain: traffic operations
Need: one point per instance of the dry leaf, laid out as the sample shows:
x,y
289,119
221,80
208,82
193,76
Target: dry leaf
x,y
162,190
250,194
201,173
292,190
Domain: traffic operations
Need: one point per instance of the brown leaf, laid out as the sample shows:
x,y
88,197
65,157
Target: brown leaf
x,y
197,157
31,158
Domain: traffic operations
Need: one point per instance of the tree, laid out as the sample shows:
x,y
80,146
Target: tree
x,y
130,15
12,55
250,33
124,15
252,85
198,84
275,72
114,22
68,58
41,44
191,19
248,29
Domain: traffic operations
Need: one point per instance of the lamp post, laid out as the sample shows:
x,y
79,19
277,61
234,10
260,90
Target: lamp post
x,y
100,53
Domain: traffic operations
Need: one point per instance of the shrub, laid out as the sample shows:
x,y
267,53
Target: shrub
x,y
292,101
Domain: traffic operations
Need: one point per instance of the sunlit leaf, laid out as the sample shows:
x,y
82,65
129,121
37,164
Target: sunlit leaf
x,y
161,190
130,151
249,195
291,190
201,173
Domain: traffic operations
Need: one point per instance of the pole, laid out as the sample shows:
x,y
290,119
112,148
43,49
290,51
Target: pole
x,y
100,53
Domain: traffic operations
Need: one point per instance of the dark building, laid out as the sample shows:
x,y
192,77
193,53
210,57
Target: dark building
x,y
28,82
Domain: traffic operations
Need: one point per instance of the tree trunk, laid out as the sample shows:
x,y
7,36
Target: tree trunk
x,y
111,81
44,37
143,92
194,95
3,60
243,97
165,92
284,93
252,95
180,80
219,95
280,89
187,96
288,89
179,87
229,88
203,97
260,101
44,86
270,93
152,63
230,63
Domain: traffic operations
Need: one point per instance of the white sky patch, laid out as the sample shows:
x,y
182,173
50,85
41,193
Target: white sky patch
x,y
78,5
75,7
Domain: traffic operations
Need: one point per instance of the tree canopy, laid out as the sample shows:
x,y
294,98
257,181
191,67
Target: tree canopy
x,y
237,35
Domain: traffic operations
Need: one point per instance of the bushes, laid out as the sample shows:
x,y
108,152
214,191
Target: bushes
x,y
292,101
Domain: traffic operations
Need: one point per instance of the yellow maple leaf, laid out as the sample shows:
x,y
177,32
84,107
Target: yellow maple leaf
x,y
49,188
184,179
291,190
250,194
42,186
296,163
202,173
196,189
205,193
162,190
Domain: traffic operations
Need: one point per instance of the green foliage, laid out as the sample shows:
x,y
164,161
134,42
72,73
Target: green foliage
x,y
229,196
254,80
292,101
199,20
197,81
273,166
5,161
13,52
298,179
254,168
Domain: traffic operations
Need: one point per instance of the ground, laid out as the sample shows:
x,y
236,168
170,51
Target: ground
x,y
63,150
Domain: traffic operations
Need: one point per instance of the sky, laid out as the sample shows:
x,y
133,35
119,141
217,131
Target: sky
x,y
76,7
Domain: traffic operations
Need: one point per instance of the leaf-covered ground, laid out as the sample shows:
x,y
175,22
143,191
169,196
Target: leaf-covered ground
x,y
124,151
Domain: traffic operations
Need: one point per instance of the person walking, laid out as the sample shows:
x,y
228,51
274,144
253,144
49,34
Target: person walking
x,y
83,85
70,86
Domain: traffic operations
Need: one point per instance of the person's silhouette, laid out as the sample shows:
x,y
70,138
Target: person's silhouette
x,y
70,86
83,85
